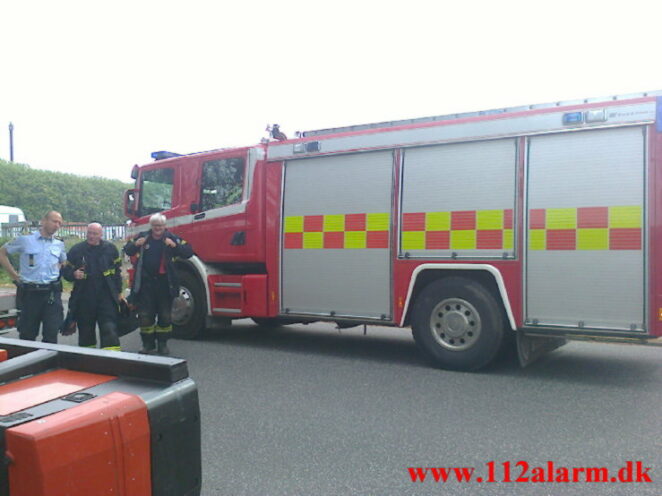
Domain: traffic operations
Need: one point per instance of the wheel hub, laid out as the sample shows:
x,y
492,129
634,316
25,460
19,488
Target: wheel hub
x,y
455,324
182,307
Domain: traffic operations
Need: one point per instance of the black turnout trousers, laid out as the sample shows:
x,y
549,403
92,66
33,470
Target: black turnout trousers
x,y
155,301
97,307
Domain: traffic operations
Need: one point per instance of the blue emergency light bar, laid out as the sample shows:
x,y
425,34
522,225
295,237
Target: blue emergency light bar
x,y
160,155
573,118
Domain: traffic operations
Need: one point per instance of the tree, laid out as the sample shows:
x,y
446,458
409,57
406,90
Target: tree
x,y
78,198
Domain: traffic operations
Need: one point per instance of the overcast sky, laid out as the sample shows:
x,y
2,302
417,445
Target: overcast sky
x,y
93,88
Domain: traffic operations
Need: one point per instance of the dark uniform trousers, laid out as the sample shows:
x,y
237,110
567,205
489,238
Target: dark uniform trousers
x,y
101,308
155,304
40,305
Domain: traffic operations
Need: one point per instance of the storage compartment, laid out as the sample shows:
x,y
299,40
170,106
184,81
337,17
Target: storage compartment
x,y
239,295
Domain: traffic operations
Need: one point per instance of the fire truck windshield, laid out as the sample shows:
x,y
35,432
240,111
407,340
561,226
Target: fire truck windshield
x,y
156,191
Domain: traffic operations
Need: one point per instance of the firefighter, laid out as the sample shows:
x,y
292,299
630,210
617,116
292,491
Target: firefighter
x,y
155,282
94,266
38,278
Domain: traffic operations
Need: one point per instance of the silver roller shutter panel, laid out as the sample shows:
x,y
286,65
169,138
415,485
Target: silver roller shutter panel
x,y
477,177
347,282
599,288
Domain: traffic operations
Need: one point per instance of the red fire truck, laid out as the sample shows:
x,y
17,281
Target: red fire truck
x,y
537,223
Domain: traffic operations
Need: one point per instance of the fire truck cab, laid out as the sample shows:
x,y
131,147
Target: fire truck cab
x,y
537,222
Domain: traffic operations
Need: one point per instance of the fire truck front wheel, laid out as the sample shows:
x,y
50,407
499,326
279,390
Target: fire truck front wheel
x,y
189,308
458,323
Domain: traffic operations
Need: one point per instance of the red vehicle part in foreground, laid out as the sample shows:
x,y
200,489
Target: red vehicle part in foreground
x,y
79,422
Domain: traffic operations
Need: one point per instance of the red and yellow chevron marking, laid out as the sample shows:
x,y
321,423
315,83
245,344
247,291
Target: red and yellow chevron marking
x,y
459,230
342,231
586,228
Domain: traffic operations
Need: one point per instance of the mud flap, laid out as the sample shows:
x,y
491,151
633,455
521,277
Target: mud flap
x,y
531,348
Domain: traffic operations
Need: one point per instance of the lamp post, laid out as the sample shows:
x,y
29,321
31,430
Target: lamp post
x,y
11,142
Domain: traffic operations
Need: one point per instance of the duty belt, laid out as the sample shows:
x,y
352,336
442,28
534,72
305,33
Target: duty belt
x,y
33,286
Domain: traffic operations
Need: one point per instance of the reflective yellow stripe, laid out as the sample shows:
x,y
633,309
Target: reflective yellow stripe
x,y
508,239
592,239
112,348
354,229
463,240
537,239
355,239
108,272
377,222
334,223
117,260
147,330
561,218
89,346
160,329
294,224
489,219
413,240
438,221
313,240
625,217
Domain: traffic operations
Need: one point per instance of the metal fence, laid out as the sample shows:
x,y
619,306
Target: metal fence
x,y
68,230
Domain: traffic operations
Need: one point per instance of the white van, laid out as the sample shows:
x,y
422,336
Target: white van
x,y
11,215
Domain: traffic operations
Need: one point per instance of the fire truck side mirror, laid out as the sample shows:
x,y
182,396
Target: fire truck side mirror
x,y
130,203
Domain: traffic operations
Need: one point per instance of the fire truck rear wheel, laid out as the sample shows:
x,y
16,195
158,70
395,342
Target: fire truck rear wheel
x,y
189,308
458,323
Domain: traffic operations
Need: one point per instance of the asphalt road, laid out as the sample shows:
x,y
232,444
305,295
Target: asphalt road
x,y
309,410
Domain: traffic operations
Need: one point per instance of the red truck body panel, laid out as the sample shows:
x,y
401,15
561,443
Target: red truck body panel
x,y
256,263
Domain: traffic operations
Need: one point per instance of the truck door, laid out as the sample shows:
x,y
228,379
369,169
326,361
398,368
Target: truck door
x,y
217,230
586,250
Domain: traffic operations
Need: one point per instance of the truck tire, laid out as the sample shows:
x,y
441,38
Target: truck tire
x,y
189,308
458,324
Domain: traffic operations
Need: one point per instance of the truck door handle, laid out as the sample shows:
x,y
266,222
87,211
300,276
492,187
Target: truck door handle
x,y
238,238
199,216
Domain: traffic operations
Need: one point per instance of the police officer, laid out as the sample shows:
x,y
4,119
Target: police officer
x,y
155,283
94,266
38,279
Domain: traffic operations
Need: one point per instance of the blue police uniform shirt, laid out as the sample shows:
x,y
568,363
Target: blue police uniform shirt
x,y
40,257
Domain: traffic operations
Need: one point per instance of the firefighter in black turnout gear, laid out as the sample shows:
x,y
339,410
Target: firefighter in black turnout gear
x,y
94,266
155,282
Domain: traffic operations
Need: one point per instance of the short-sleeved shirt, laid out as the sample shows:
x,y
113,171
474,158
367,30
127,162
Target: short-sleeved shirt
x,y
40,257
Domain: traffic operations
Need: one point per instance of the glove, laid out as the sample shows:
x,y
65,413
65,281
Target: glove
x,y
68,326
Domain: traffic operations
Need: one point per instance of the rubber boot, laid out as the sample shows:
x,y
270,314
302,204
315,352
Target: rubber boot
x,y
149,344
162,346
